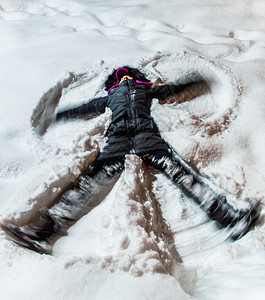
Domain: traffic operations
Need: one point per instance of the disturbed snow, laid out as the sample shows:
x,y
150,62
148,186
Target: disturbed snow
x,y
145,240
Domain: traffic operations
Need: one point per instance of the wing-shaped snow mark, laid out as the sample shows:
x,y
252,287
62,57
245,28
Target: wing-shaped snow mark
x,y
210,113
70,139
44,113
62,156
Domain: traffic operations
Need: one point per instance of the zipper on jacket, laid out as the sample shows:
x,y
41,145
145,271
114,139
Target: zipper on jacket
x,y
130,109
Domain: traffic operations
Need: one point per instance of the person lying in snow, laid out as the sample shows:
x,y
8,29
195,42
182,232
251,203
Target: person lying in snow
x,y
132,131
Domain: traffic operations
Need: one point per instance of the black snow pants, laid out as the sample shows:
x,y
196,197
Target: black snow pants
x,y
86,194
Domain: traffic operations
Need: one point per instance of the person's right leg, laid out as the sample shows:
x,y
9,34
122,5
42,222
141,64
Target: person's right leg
x,y
87,192
74,203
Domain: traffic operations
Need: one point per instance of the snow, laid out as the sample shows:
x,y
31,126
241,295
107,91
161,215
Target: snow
x,y
145,240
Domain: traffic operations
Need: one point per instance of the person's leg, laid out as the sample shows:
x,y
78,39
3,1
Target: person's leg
x,y
193,186
72,206
87,192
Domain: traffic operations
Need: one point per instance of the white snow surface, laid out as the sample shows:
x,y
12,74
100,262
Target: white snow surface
x,y
145,240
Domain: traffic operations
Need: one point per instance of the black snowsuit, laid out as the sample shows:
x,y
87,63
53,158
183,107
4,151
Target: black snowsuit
x,y
133,130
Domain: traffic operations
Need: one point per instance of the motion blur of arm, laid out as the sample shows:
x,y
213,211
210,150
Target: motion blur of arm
x,y
95,106
162,92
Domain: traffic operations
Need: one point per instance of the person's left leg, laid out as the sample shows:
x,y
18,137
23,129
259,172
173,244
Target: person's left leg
x,y
53,222
193,186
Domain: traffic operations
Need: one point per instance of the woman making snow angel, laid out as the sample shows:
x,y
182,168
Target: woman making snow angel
x,y
132,131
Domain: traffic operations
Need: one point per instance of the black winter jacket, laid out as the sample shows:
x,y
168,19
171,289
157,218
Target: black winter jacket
x,y
132,129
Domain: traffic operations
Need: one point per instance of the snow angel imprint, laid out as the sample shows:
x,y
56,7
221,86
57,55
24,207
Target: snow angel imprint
x,y
132,130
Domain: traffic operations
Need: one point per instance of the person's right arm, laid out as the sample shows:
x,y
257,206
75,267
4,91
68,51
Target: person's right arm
x,y
95,106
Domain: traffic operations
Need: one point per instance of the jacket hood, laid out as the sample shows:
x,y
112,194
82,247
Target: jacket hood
x,y
113,79
137,81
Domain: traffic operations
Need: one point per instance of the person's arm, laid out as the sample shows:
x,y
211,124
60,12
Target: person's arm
x,y
161,92
96,106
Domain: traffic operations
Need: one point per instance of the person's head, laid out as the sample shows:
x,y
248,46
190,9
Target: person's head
x,y
125,77
124,73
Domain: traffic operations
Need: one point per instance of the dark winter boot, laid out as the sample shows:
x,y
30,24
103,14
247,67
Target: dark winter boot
x,y
223,213
227,216
248,219
35,236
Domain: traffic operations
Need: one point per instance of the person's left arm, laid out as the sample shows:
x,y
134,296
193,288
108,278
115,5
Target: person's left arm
x,y
162,92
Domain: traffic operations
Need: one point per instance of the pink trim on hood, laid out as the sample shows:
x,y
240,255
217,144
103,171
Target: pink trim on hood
x,y
137,81
115,85
143,82
125,71
121,70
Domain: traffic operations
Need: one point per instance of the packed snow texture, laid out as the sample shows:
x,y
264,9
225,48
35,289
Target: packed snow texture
x,y
145,240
